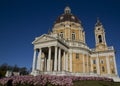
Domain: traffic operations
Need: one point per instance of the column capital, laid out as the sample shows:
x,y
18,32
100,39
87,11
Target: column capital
x,y
40,48
49,46
34,49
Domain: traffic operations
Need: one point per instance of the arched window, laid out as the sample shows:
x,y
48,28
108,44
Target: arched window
x,y
73,36
100,38
61,34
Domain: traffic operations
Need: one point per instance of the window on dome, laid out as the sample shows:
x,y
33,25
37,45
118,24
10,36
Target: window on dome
x,y
73,17
61,34
61,17
73,36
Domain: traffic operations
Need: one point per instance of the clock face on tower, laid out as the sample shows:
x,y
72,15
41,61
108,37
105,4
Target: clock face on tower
x,y
98,28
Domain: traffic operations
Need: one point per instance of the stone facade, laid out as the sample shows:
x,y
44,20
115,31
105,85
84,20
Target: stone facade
x,y
64,50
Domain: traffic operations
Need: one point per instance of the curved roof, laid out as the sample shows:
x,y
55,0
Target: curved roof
x,y
67,16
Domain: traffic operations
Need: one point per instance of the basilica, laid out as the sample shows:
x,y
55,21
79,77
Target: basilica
x,y
64,51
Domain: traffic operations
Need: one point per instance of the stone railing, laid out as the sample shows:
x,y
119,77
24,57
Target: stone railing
x,y
111,48
77,44
108,48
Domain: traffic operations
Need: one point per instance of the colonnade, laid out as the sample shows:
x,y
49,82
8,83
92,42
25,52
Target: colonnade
x,y
60,60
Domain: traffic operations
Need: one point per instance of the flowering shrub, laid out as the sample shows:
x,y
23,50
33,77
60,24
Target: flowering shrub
x,y
43,80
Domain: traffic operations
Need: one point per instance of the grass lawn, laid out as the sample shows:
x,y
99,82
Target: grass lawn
x,y
95,83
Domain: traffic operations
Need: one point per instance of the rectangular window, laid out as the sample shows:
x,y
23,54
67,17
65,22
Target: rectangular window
x,y
103,69
61,34
73,36
94,61
94,70
77,55
101,61
94,67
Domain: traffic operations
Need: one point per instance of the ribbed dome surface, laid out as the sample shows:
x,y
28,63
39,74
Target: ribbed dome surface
x,y
67,16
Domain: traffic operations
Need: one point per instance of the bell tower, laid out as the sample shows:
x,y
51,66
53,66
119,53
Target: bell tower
x,y
100,36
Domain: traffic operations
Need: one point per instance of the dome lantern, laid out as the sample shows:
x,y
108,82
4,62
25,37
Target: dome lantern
x,y
67,10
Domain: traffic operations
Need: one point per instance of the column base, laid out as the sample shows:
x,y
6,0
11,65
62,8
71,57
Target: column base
x,y
35,72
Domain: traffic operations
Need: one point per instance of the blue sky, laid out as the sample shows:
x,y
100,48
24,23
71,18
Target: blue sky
x,y
23,20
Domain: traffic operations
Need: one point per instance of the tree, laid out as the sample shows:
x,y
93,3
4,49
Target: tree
x,y
5,67
16,68
24,71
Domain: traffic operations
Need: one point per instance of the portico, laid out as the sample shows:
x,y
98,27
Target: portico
x,y
50,56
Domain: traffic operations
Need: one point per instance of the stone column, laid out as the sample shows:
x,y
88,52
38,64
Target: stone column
x,y
39,60
49,59
91,61
70,61
87,63
41,64
34,61
59,60
81,34
45,64
66,62
64,59
108,64
116,72
55,59
98,66
83,64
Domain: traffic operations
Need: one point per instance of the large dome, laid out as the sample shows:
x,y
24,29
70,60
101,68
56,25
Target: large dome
x,y
67,16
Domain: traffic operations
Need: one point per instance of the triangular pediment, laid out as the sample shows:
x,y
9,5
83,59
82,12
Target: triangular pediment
x,y
43,38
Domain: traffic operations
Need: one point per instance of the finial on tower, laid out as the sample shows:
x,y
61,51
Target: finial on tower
x,y
67,10
49,31
98,23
